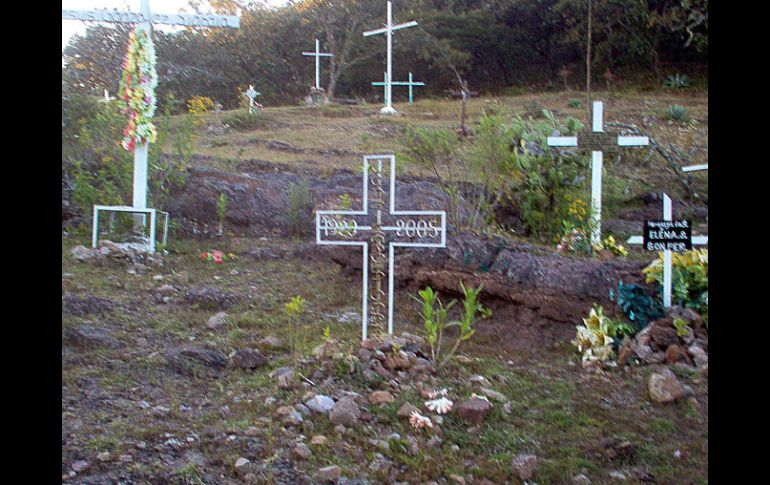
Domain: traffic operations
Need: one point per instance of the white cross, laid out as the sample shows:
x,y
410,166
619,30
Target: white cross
x,y
251,94
318,54
388,30
107,97
696,240
144,20
402,231
596,164
410,83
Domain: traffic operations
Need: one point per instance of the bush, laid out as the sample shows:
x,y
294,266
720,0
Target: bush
x,y
575,103
676,112
242,120
299,213
677,81
689,278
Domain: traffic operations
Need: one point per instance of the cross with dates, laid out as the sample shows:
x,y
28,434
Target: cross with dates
x,y
667,262
377,224
596,141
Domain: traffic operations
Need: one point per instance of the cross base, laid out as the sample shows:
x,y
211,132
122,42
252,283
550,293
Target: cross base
x,y
388,110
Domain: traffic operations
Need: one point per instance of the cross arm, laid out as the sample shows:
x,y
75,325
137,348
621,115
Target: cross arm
x,y
376,31
404,25
633,141
562,141
695,168
319,54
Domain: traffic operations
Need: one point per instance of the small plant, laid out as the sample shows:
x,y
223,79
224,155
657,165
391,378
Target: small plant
x,y
345,202
676,112
327,333
435,319
593,339
637,304
689,277
575,103
199,105
609,244
294,310
221,209
299,213
680,326
677,81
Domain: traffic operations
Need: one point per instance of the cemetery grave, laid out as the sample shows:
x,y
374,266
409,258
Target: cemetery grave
x,y
357,294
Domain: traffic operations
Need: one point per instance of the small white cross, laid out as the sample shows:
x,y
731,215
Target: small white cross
x,y
421,226
318,54
596,164
251,94
409,83
388,30
696,240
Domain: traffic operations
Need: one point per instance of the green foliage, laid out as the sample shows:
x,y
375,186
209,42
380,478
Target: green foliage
x,y
689,278
299,212
575,103
680,326
434,315
676,112
242,120
637,304
345,203
294,307
677,81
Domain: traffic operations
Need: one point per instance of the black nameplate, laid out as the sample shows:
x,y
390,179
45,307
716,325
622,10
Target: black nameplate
x,y
668,235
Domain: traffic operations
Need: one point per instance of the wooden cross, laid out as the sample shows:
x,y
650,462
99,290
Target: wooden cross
x,y
318,54
388,31
667,264
596,141
409,228
144,20
410,83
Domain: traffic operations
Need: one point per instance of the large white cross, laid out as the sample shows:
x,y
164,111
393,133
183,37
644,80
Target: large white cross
x,y
409,83
144,20
409,228
318,55
596,164
696,240
388,31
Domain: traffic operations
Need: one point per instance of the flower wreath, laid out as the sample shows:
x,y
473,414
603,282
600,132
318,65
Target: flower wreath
x,y
137,90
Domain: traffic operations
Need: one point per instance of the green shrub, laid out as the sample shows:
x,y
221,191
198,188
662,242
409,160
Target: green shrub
x,y
242,120
689,278
299,213
637,304
676,112
575,103
677,81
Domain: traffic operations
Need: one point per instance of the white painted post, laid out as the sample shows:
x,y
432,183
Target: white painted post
x,y
388,31
95,230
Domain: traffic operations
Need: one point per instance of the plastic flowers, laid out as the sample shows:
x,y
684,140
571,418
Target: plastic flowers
x,y
418,421
217,257
441,405
592,339
137,90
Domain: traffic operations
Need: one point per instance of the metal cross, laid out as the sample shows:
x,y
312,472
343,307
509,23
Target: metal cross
x,y
318,54
397,228
696,240
400,83
144,20
388,30
595,145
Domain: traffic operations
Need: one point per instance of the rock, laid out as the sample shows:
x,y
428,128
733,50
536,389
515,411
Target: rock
x,y
166,290
320,404
581,480
302,451
381,397
249,359
625,353
307,427
398,362
196,361
663,333
160,411
665,387
523,465
271,343
103,457
615,448
457,479
474,410
83,254
89,337
319,440
617,475
655,358
676,353
329,474
407,409
284,376
80,466
217,321
345,412
209,297
492,394
242,466
699,356
302,409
